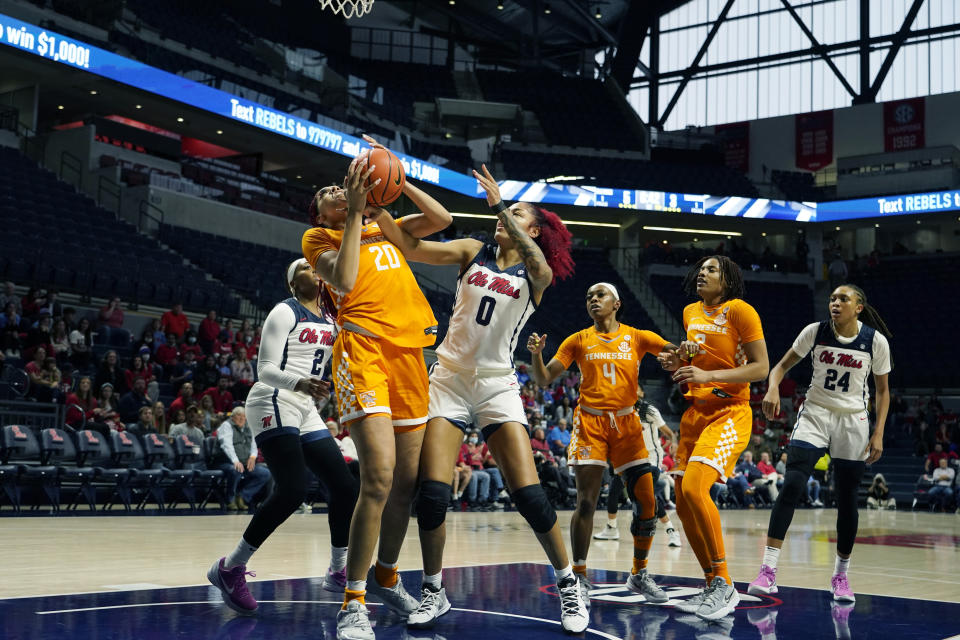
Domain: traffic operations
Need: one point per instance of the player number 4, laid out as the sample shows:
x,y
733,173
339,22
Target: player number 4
x,y
610,373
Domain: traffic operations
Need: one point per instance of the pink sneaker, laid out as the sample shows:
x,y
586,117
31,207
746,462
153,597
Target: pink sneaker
x,y
840,612
841,588
233,586
335,581
765,583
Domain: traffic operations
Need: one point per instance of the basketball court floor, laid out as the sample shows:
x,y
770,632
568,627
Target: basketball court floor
x,y
132,577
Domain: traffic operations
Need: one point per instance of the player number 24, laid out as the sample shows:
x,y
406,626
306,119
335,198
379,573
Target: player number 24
x,y
830,383
385,252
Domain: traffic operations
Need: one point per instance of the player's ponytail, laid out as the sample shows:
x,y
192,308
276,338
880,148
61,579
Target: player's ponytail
x,y
869,315
555,242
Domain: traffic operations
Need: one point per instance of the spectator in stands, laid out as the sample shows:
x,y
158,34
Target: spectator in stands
x,y
941,493
226,335
247,344
8,296
190,344
461,477
135,399
174,321
478,489
140,367
167,354
347,448
107,411
209,331
878,495
10,319
147,341
10,332
559,439
221,396
770,475
41,335
211,417
191,427
208,374
160,417
242,373
563,411
184,398
81,403
146,423
546,464
184,371
44,377
30,304
50,305
60,341
223,365
110,371
178,421
159,335
938,454
111,317
81,343
837,270
522,376
244,476
69,318
740,485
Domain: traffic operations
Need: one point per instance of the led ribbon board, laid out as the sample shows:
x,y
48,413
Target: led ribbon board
x,y
60,49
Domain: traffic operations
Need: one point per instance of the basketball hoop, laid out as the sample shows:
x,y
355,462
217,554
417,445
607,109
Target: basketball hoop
x,y
348,8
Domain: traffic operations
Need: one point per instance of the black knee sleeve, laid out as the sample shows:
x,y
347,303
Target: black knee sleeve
x,y
642,527
847,474
432,504
533,505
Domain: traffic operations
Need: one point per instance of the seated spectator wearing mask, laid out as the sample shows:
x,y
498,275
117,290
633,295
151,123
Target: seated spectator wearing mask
x,y
238,460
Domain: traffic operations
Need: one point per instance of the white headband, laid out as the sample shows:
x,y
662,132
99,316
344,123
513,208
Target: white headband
x,y
292,269
613,289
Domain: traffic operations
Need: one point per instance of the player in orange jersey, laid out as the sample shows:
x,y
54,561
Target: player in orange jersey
x,y
724,352
379,376
606,426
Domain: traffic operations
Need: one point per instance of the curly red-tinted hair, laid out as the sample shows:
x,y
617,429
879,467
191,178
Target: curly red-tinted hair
x,y
555,242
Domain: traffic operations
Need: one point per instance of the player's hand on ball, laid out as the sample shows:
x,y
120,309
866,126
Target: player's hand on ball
x,y
771,403
372,142
355,183
691,375
669,359
488,184
536,343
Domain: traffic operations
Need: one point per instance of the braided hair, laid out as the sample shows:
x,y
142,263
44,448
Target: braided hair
x,y
730,277
869,315
642,407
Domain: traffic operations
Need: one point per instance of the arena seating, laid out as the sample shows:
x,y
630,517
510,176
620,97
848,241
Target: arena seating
x,y
90,252
796,185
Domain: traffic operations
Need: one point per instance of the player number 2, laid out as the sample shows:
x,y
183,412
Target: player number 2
x,y
485,312
318,362
831,382
387,252
610,373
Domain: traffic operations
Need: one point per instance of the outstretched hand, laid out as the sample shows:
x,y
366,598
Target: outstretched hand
x,y
372,142
489,184
536,343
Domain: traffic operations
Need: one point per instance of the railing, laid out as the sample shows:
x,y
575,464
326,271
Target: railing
x,y
106,186
42,415
144,209
70,163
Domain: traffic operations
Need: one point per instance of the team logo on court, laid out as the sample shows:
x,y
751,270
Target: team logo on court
x,y
617,593
721,318
368,399
266,420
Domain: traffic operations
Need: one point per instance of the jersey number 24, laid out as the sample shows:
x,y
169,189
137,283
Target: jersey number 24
x,y
831,382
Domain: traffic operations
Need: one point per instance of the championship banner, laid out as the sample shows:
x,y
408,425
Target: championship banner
x,y
903,124
736,145
814,140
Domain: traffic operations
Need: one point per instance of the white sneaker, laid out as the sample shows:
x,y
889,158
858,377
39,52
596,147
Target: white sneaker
x,y
721,600
574,617
433,604
608,533
395,597
673,538
353,622
644,585
585,586
816,503
691,604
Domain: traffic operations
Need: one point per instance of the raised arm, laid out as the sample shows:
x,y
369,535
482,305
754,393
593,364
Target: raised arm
x,y
541,275
543,374
459,251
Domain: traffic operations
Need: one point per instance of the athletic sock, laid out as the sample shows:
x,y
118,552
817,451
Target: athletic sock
x,y
668,525
386,574
580,567
720,570
435,581
771,555
612,523
708,575
641,547
840,565
338,558
564,573
356,590
240,555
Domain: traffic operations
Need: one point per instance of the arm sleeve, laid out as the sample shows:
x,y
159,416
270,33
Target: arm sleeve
x,y
747,322
882,363
225,436
278,325
649,342
568,351
804,342
314,243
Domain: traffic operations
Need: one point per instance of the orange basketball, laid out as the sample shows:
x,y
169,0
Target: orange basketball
x,y
392,177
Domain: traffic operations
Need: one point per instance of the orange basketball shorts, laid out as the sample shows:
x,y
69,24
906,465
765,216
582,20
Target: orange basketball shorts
x,y
715,435
372,375
597,439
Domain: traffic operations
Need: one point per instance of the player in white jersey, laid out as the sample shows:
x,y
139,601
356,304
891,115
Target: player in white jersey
x,y
834,417
474,382
295,346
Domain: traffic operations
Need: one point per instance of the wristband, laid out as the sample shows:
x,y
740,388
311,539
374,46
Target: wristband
x,y
497,208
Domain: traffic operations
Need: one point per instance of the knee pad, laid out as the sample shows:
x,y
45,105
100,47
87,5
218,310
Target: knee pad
x,y
432,504
631,476
533,505
641,527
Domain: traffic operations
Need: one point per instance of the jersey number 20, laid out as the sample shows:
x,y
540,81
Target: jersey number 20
x,y
387,252
830,383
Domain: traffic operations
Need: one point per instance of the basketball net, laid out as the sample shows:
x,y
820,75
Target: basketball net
x,y
348,8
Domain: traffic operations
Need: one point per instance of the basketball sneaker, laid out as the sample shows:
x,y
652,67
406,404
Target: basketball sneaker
x,y
721,600
609,532
433,604
335,581
643,584
353,622
840,588
574,617
765,620
585,586
395,597
691,604
673,538
708,629
232,584
765,583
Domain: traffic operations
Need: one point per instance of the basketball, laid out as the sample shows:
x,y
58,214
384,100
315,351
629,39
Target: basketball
x,y
392,177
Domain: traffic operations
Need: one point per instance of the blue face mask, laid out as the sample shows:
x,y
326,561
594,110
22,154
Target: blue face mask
x,y
472,440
